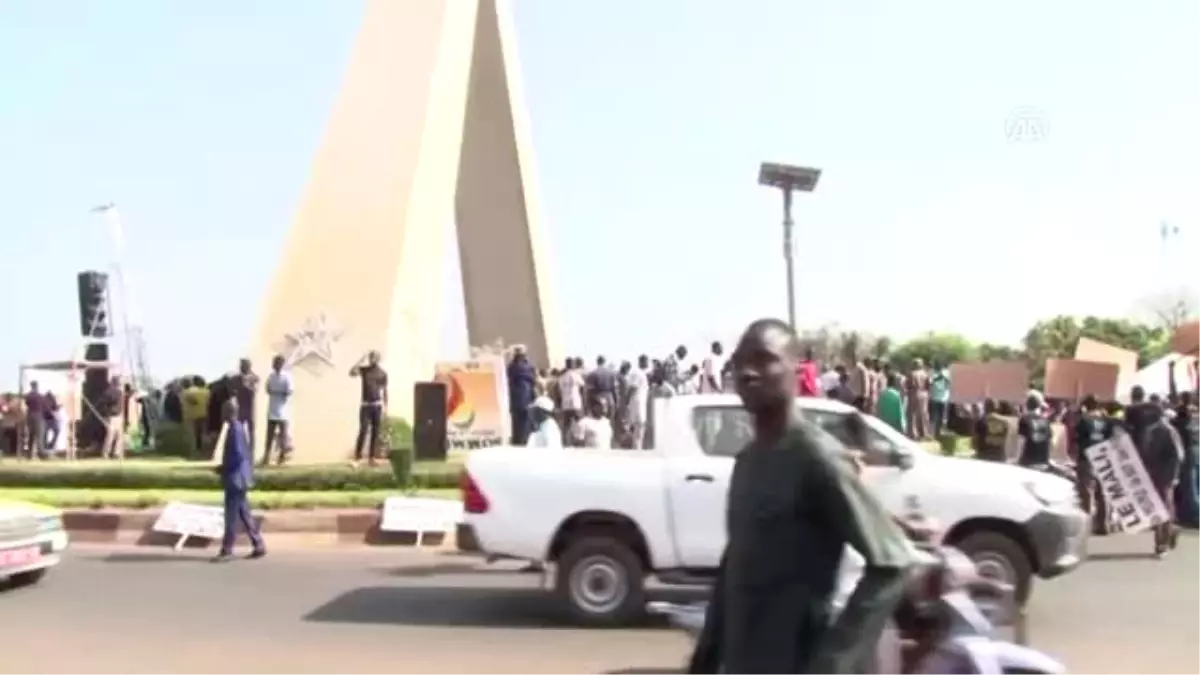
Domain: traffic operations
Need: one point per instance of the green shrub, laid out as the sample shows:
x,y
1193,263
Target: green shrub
x,y
174,440
948,443
401,461
397,434
171,476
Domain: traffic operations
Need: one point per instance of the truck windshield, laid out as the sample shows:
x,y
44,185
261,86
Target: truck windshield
x,y
722,431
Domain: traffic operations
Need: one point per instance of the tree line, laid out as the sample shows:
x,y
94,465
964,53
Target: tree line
x,y
1055,337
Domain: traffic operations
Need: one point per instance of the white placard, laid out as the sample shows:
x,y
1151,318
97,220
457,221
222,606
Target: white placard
x,y
1133,503
191,520
420,515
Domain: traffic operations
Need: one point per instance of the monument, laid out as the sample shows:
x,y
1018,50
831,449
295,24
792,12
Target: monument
x,y
428,132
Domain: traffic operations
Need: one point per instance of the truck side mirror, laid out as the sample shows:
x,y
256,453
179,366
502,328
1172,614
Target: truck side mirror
x,y
900,459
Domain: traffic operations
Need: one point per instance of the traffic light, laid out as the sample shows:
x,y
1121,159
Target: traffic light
x,y
93,305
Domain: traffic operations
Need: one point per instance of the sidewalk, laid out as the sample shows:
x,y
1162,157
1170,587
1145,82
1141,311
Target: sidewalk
x,y
316,528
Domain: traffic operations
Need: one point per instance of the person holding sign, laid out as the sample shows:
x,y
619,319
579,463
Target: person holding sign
x,y
237,475
1161,452
1091,428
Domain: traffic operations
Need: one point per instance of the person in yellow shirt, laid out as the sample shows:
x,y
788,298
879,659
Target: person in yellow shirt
x,y
195,409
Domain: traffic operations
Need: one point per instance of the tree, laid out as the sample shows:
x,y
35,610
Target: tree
x,y
881,347
1170,309
987,351
1059,336
933,348
822,341
1050,339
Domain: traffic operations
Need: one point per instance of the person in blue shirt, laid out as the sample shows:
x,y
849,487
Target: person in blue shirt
x,y
237,476
939,398
522,380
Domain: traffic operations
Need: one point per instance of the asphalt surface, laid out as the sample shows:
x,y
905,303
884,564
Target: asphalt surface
x,y
371,610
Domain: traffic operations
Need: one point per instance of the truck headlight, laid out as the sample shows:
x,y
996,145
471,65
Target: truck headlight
x,y
1046,495
47,524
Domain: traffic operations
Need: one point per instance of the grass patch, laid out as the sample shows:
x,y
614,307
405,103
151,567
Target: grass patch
x,y
84,498
158,474
961,447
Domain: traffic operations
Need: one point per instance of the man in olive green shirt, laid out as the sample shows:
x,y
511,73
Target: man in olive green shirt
x,y
891,405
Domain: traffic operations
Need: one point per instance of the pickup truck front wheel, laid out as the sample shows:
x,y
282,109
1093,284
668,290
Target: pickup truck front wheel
x,y
1002,559
601,582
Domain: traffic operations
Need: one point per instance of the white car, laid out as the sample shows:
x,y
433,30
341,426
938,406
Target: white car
x,y
32,540
610,519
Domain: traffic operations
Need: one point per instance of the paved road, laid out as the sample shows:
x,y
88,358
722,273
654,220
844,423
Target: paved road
x,y
371,610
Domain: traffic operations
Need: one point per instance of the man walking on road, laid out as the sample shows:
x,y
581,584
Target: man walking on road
x,y
794,505
237,476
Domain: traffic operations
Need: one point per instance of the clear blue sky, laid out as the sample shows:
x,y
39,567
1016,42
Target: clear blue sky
x,y
200,120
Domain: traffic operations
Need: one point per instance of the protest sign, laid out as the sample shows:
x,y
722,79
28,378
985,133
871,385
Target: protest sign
x,y
999,380
1186,338
420,515
1073,379
190,520
1101,352
1133,503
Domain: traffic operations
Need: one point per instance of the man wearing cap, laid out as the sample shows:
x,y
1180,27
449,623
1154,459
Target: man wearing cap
x,y
546,433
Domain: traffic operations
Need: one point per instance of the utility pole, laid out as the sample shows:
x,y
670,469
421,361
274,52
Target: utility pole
x,y
789,179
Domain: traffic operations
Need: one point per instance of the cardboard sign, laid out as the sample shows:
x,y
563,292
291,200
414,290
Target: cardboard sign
x,y
1073,379
1186,339
1100,352
191,520
420,515
1133,503
999,380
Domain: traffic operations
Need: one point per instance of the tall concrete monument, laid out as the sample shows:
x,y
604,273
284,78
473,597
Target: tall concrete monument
x,y
428,132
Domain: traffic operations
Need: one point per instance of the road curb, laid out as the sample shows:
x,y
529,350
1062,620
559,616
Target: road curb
x,y
310,528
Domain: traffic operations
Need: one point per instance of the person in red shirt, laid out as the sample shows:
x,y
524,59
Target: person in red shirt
x,y
806,375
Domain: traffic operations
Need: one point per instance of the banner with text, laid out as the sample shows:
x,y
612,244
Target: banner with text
x,y
1133,503
476,401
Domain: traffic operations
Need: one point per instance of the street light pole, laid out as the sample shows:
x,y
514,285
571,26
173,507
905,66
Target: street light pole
x,y
788,179
789,256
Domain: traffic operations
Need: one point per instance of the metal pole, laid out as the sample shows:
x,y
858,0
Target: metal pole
x,y
789,255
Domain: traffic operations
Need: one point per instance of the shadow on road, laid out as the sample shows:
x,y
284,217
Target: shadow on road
x,y
453,606
447,568
1120,555
644,671
153,557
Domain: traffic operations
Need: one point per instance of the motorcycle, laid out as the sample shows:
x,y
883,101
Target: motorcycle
x,y
940,624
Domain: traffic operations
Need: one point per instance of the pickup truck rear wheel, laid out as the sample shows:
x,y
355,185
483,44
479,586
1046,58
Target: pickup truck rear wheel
x,y
601,581
1000,557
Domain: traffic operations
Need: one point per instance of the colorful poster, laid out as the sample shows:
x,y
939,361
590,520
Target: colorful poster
x,y
476,401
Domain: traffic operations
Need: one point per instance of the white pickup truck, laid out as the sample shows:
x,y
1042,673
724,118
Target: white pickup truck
x,y
610,519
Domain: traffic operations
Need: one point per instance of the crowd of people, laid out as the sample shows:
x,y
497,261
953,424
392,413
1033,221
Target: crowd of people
x,y
607,405
32,425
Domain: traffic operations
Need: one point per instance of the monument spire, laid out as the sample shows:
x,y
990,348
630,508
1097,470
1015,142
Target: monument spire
x,y
428,132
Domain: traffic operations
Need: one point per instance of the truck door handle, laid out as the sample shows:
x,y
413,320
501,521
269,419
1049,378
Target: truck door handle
x,y
702,477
